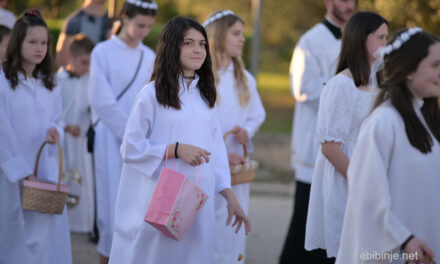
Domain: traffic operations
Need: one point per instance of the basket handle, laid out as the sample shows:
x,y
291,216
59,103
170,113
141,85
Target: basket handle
x,y
60,166
244,146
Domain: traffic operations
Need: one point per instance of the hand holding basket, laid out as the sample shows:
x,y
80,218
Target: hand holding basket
x,y
242,173
43,197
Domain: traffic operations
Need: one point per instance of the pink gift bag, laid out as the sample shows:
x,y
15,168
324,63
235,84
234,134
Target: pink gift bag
x,y
176,203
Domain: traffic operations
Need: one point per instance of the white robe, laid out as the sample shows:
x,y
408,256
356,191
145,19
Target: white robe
x,y
149,129
313,63
26,114
342,108
393,190
113,65
229,245
74,94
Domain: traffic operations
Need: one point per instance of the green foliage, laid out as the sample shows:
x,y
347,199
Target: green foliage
x,y
283,22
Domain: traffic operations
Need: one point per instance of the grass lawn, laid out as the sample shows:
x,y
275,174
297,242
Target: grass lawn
x,y
275,93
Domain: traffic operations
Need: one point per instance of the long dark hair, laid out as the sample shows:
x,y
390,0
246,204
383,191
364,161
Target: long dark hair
x,y
167,64
12,64
354,55
130,10
397,66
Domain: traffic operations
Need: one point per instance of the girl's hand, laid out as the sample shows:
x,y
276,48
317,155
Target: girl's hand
x,y
420,250
74,130
235,159
192,155
52,135
234,209
241,135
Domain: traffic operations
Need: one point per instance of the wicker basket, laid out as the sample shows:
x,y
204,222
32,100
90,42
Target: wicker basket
x,y
245,172
48,198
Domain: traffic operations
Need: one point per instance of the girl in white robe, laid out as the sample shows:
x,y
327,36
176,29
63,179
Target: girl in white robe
x,y
240,109
114,65
176,110
394,174
30,110
345,102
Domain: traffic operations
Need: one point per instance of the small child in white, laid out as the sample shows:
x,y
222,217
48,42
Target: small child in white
x,y
73,80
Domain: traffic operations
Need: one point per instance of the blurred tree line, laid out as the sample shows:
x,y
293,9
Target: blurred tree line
x,y
283,21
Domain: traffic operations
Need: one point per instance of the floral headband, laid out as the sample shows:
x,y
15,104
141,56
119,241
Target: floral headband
x,y
388,49
399,41
217,16
145,5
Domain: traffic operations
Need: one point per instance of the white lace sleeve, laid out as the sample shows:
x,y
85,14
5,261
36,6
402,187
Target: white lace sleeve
x,y
335,110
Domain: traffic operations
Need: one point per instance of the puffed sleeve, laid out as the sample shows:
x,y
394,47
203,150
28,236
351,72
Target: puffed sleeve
x,y
306,77
102,98
12,161
138,153
372,225
335,110
219,156
256,113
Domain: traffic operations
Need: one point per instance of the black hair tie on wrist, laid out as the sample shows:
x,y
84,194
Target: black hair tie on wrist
x,y
407,241
175,150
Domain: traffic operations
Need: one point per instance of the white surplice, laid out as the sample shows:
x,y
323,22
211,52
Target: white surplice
x,y
229,245
113,65
393,190
26,114
150,128
74,94
313,63
342,108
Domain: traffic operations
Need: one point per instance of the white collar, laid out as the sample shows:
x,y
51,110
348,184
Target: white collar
x,y
417,103
121,43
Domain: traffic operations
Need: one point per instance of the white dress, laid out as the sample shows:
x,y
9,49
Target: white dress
x,y
74,94
394,190
342,109
26,114
229,245
313,63
150,128
113,65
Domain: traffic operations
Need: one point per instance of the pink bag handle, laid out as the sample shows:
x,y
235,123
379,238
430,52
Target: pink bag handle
x,y
199,171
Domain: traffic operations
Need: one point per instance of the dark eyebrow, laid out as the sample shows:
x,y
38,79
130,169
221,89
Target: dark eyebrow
x,y
190,39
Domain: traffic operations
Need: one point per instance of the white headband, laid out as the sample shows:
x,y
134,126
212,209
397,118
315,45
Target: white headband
x,y
217,17
144,5
388,49
398,42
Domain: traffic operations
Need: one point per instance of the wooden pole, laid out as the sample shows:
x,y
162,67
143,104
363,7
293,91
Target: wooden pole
x,y
112,4
256,37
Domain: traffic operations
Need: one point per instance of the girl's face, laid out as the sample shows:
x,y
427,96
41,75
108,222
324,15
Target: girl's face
x,y
375,40
34,47
192,52
424,82
234,40
138,27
